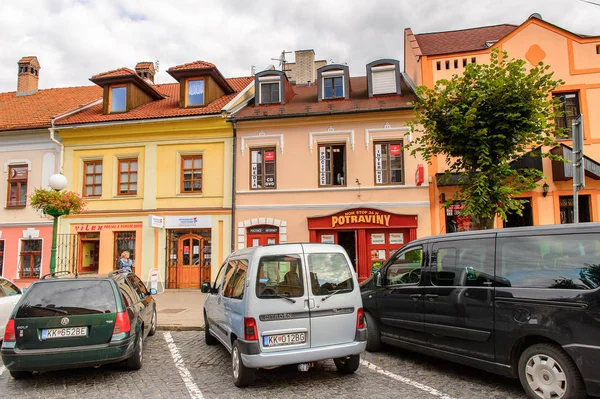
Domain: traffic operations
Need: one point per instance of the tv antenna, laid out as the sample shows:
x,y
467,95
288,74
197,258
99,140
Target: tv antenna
x,y
281,59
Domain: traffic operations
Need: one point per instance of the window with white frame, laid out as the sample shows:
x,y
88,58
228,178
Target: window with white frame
x,y
388,163
270,89
31,258
333,85
17,186
332,165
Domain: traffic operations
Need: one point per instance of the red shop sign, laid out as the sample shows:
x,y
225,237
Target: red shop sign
x,y
395,149
269,155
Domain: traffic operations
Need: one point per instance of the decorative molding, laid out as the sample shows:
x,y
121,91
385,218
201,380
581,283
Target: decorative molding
x,y
388,132
242,226
321,189
330,132
31,233
11,162
383,205
270,139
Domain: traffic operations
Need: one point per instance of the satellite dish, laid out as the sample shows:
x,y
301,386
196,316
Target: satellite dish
x,y
536,15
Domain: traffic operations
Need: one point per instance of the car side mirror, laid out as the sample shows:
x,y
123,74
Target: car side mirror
x,y
152,291
378,279
205,288
23,290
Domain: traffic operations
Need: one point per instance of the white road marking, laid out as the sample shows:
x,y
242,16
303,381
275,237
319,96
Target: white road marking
x,y
405,380
183,371
2,368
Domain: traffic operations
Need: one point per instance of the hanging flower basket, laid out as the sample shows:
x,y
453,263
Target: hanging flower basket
x,y
56,203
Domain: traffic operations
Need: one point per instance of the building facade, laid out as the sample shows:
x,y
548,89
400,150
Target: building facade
x,y
326,162
29,156
574,58
154,163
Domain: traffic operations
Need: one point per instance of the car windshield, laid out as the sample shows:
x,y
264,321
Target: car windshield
x,y
329,273
280,276
68,297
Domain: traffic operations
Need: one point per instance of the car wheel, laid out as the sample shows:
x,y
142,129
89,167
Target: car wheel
x,y
208,337
373,335
348,364
546,371
153,325
242,375
19,375
135,361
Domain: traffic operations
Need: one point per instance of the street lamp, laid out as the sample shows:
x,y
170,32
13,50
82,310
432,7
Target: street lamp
x,y
57,182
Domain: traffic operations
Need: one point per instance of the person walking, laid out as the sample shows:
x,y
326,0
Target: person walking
x,y
124,262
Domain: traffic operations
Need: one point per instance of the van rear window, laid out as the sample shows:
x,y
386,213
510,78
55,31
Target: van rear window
x,y
69,297
329,272
550,261
280,275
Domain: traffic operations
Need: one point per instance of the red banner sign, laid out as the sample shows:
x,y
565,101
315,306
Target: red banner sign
x,y
269,155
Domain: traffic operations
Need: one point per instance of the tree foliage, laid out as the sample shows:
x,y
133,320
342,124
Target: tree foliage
x,y
480,122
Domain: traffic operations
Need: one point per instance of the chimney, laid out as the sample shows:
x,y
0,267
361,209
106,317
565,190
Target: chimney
x,y
146,71
305,67
29,69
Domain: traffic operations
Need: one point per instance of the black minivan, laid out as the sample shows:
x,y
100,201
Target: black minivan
x,y
521,302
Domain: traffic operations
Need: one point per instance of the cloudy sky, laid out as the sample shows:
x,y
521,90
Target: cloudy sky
x,y
75,39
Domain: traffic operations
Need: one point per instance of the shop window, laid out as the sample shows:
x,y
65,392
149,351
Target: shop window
x,y
31,258
262,168
388,163
17,186
569,108
332,165
191,174
525,219
128,174
1,257
124,241
454,221
567,212
92,179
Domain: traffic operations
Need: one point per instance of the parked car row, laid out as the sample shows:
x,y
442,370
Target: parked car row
x,y
65,321
520,302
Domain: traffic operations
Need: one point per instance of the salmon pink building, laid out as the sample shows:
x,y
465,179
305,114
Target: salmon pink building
x,y
324,160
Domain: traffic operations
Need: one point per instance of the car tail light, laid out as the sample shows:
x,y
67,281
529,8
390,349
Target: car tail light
x,y
122,323
360,319
250,330
9,332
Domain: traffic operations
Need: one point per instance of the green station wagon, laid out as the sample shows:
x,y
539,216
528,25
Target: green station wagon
x,y
80,321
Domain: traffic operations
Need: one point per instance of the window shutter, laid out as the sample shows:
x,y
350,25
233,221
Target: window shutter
x,y
384,82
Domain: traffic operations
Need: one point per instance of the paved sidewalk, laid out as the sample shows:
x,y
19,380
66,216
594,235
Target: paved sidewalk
x,y
180,310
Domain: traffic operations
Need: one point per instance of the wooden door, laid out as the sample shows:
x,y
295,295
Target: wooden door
x,y
190,259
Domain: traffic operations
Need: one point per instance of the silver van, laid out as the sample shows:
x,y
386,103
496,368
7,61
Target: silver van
x,y
286,304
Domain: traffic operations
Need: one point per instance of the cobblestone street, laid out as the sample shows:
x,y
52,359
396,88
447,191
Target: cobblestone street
x,y
180,365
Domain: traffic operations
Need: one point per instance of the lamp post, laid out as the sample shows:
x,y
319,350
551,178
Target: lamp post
x,y
57,182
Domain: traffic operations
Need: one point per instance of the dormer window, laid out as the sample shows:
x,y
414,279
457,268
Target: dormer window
x,y
333,82
118,99
383,76
269,89
195,92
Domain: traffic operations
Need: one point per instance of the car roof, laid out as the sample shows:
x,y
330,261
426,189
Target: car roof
x,y
67,276
286,248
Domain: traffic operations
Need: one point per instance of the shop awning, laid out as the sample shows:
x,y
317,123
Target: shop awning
x,y
531,160
563,171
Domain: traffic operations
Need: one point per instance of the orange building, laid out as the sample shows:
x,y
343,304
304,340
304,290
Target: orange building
x,y
574,58
325,161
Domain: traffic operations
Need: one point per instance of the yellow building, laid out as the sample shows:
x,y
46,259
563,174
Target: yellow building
x,y
574,58
154,163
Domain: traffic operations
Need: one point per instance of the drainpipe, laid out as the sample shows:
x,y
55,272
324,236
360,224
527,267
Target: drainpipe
x,y
234,226
52,130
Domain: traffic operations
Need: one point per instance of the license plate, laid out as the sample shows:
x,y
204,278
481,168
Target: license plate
x,y
284,339
68,332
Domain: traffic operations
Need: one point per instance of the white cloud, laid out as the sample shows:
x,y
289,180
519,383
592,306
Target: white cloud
x,y
75,40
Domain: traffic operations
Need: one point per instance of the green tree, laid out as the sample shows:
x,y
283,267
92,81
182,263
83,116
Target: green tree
x,y
480,122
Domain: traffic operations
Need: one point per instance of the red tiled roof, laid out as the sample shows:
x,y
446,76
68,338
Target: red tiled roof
x,y
165,108
35,111
305,102
115,72
461,40
192,65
